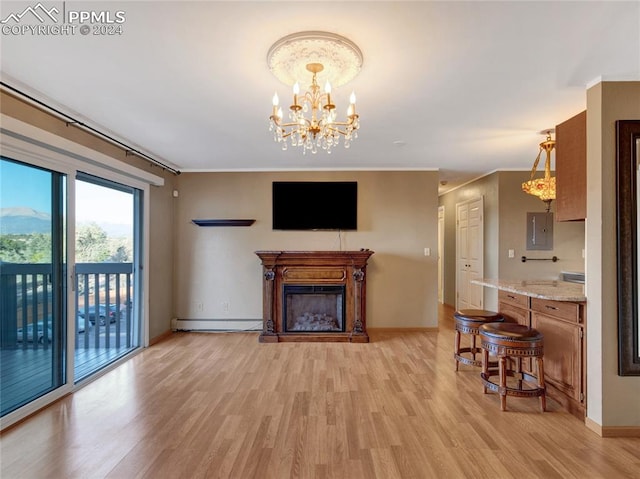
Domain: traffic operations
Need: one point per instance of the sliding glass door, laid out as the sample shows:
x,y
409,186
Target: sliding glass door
x,y
32,286
63,320
106,279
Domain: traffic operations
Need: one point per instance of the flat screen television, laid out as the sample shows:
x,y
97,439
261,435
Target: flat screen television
x,y
315,205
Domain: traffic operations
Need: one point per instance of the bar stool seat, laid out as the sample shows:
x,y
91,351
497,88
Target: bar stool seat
x,y
510,342
467,322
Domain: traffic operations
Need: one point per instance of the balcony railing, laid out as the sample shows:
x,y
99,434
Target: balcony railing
x,y
103,300
32,336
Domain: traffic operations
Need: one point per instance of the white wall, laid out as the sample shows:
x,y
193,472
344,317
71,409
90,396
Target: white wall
x,y
397,219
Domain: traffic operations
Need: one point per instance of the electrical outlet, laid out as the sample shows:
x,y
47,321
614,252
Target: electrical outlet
x,y
427,251
225,306
582,253
512,253
199,307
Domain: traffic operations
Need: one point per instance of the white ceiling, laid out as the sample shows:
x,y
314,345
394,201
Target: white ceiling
x,y
464,87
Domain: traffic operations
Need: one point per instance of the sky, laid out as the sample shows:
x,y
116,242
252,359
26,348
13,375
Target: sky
x,y
22,185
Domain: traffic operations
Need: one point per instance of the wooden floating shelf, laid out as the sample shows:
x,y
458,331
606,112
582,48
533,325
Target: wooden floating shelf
x,y
223,222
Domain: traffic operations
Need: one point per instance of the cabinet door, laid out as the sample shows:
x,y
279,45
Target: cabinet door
x,y
562,353
571,169
514,314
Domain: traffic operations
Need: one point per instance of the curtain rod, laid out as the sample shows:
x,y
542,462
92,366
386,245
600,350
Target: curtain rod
x,y
75,122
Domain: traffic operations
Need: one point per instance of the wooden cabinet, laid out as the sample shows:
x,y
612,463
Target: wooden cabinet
x,y
562,323
571,169
514,307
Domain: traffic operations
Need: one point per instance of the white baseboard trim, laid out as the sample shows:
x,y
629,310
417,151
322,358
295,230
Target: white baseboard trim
x,y
178,324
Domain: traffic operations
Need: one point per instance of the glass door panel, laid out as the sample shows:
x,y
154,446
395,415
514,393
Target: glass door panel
x,y
107,325
32,286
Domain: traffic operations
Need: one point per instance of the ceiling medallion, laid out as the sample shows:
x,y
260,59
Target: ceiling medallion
x,y
330,59
341,58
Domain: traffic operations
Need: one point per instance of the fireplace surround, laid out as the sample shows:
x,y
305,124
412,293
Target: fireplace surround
x,y
325,289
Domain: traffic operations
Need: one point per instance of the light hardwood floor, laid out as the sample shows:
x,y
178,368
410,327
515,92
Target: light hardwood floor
x,y
223,405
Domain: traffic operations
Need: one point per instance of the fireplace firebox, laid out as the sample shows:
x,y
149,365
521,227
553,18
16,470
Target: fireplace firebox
x,y
314,296
310,308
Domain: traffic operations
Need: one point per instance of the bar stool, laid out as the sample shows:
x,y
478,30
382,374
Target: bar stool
x,y
510,342
467,322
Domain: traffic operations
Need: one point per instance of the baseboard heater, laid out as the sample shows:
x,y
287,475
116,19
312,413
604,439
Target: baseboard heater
x,y
178,324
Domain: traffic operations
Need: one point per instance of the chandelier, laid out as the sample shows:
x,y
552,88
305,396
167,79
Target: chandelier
x,y
312,122
545,187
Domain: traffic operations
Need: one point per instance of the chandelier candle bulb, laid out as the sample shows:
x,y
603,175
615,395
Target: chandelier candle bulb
x,y
296,91
327,90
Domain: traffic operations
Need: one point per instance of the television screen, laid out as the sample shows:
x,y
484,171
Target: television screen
x,y
315,205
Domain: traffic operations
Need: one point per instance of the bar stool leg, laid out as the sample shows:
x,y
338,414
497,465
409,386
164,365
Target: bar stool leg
x,y
456,348
485,368
543,398
473,346
503,382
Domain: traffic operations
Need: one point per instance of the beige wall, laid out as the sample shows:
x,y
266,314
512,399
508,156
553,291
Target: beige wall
x,y
612,400
505,226
397,219
161,214
161,251
568,236
486,187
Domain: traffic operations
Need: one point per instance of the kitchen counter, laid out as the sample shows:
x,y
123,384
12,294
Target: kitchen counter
x,y
543,289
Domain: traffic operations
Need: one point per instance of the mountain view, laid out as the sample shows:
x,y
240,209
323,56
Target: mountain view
x,y
23,220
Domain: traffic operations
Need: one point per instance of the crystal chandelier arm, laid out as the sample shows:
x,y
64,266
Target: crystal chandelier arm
x,y
337,130
278,122
295,125
350,122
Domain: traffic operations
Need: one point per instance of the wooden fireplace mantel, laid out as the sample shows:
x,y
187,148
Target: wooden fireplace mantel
x,y
282,268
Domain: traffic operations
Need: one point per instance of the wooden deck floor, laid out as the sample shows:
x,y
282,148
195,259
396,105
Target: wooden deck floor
x,y
27,373
222,405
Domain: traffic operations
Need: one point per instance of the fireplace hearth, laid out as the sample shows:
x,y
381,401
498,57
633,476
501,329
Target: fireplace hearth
x,y
314,295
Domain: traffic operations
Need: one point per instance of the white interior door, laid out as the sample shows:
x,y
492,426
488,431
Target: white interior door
x,y
469,253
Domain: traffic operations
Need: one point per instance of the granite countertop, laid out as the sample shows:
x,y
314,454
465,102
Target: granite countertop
x,y
543,289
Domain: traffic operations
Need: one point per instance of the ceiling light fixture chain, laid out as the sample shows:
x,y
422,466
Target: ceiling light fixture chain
x,y
313,123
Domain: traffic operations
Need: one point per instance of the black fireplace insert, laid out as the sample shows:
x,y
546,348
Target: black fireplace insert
x,y
314,308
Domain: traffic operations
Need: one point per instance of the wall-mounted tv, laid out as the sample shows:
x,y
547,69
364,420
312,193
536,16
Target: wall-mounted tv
x,y
315,205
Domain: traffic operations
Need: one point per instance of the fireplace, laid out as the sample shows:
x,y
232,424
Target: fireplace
x,y
314,295
310,308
